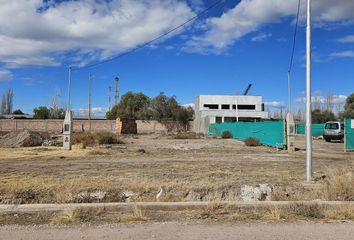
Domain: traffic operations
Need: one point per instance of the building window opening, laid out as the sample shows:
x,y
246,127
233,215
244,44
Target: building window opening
x,y
246,107
224,106
211,106
218,119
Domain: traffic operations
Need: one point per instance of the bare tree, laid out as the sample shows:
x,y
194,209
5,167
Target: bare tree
x,y
316,101
3,104
299,114
54,110
7,101
329,101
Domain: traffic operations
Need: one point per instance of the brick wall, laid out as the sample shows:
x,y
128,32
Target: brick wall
x,y
51,125
126,126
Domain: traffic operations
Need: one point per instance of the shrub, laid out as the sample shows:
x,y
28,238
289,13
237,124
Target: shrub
x,y
226,134
92,139
252,142
106,138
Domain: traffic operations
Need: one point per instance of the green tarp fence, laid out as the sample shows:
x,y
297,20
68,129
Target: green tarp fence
x,y
317,129
268,133
349,134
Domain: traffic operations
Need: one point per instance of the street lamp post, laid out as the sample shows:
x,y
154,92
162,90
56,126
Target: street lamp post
x,y
308,96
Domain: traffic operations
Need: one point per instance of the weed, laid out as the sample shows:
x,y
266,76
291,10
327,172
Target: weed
x,y
77,215
96,138
312,211
136,214
338,187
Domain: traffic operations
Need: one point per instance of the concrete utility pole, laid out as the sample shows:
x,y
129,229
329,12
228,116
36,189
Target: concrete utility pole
x,y
289,93
236,109
67,126
116,96
308,96
89,100
69,89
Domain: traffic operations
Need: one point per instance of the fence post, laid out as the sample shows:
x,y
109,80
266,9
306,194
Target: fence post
x,y
345,135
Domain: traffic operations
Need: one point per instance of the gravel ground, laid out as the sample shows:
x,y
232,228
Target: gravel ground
x,y
174,231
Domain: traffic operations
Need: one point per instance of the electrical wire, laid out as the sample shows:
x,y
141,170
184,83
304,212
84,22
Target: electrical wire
x,y
294,40
216,3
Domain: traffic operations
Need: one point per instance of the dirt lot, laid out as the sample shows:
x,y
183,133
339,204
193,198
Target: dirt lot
x,y
188,170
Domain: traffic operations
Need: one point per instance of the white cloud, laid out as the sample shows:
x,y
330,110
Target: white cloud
x,y
94,111
342,54
192,105
275,104
346,39
197,5
250,15
261,37
5,75
337,99
37,33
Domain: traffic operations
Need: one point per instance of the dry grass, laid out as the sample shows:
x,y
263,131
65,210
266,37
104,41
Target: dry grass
x,y
40,153
98,152
338,187
275,214
77,215
94,138
136,214
339,213
187,135
24,190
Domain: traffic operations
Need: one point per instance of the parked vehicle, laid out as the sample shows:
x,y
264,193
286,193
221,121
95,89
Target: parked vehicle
x,y
333,131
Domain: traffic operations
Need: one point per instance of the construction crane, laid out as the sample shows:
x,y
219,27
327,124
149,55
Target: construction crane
x,y
247,89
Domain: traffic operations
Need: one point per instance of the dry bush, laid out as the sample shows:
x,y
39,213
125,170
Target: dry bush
x,y
188,135
94,138
275,213
338,187
136,215
226,134
252,142
77,215
98,153
312,211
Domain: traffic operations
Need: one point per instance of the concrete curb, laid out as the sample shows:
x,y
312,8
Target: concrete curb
x,y
164,206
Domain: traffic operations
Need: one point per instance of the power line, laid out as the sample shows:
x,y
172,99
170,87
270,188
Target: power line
x,y
216,3
294,40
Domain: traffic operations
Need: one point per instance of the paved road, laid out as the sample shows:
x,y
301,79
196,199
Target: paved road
x,y
174,231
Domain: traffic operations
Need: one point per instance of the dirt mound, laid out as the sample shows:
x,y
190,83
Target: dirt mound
x,y
21,139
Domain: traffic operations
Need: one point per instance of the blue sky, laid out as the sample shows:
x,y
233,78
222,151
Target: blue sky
x,y
237,43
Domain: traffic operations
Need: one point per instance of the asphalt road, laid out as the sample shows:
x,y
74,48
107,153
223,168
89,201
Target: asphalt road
x,y
174,231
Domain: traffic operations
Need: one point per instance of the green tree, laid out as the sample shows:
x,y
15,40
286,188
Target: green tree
x,y
58,113
165,107
113,113
319,116
132,105
349,107
41,112
18,112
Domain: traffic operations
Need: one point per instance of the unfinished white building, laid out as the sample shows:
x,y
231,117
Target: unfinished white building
x,y
223,108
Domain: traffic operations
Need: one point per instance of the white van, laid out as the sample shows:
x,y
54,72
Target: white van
x,y
333,131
